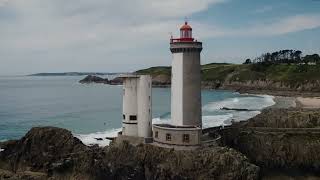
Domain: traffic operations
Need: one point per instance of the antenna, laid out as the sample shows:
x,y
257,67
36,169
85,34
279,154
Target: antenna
x,y
186,19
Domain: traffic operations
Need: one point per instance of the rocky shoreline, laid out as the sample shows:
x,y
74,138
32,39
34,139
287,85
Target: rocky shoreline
x,y
272,145
53,153
164,81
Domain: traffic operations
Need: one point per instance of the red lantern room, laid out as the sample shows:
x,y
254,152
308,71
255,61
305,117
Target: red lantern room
x,y
185,34
186,31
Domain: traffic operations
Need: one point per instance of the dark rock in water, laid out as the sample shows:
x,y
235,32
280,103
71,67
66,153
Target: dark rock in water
x,y
99,139
110,138
116,81
161,80
54,153
93,79
235,109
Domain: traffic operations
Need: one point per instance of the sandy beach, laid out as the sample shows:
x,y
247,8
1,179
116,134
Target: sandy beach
x,y
311,103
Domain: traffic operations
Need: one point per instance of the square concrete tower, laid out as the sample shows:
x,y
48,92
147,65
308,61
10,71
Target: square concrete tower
x,y
186,79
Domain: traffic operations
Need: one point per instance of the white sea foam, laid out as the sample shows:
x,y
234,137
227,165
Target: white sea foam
x,y
216,120
89,139
1,150
161,120
255,103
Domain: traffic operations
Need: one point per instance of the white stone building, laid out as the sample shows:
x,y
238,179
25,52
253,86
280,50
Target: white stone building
x,y
137,102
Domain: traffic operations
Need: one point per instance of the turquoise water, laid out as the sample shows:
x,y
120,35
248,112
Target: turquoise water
x,y
95,109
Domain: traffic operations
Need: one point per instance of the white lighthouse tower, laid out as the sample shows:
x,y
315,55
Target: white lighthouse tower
x,y
186,81
185,131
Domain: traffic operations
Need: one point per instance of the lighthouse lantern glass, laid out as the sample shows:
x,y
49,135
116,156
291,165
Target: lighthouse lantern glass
x,y
186,33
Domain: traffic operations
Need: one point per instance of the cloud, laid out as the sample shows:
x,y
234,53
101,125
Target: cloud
x,y
277,27
60,24
3,2
52,33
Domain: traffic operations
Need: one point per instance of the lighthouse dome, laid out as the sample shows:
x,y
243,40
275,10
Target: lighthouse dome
x,y
186,26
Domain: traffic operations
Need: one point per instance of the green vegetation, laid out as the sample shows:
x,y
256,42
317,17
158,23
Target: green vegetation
x,y
290,73
287,56
154,71
286,66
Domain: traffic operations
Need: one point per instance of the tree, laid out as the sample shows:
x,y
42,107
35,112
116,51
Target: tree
x,y
248,61
315,58
297,56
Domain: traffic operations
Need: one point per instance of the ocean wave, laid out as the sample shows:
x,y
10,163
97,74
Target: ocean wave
x,y
213,116
89,139
254,102
161,120
216,120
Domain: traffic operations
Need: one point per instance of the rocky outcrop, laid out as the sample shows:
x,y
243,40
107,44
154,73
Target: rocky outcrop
x,y
54,153
116,81
286,118
95,79
266,86
161,80
309,86
279,139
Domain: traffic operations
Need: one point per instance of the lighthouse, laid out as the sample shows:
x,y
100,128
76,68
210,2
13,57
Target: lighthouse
x,y
186,80
185,129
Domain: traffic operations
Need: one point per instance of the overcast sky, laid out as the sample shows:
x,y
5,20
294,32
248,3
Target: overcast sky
x,y
126,35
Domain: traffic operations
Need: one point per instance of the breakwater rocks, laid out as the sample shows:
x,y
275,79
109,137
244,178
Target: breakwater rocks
x,y
53,153
287,139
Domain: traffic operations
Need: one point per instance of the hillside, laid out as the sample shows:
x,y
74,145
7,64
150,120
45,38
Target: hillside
x,y
287,77
72,74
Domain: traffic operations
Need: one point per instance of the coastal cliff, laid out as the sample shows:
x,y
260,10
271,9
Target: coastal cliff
x,y
282,79
53,153
265,85
282,139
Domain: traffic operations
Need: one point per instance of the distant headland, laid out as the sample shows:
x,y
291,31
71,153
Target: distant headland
x,y
73,74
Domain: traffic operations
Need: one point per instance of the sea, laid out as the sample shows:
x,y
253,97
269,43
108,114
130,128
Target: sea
x,y
93,111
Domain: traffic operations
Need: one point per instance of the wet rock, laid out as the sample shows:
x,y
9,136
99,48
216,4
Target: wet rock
x,y
283,139
116,81
55,153
93,79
